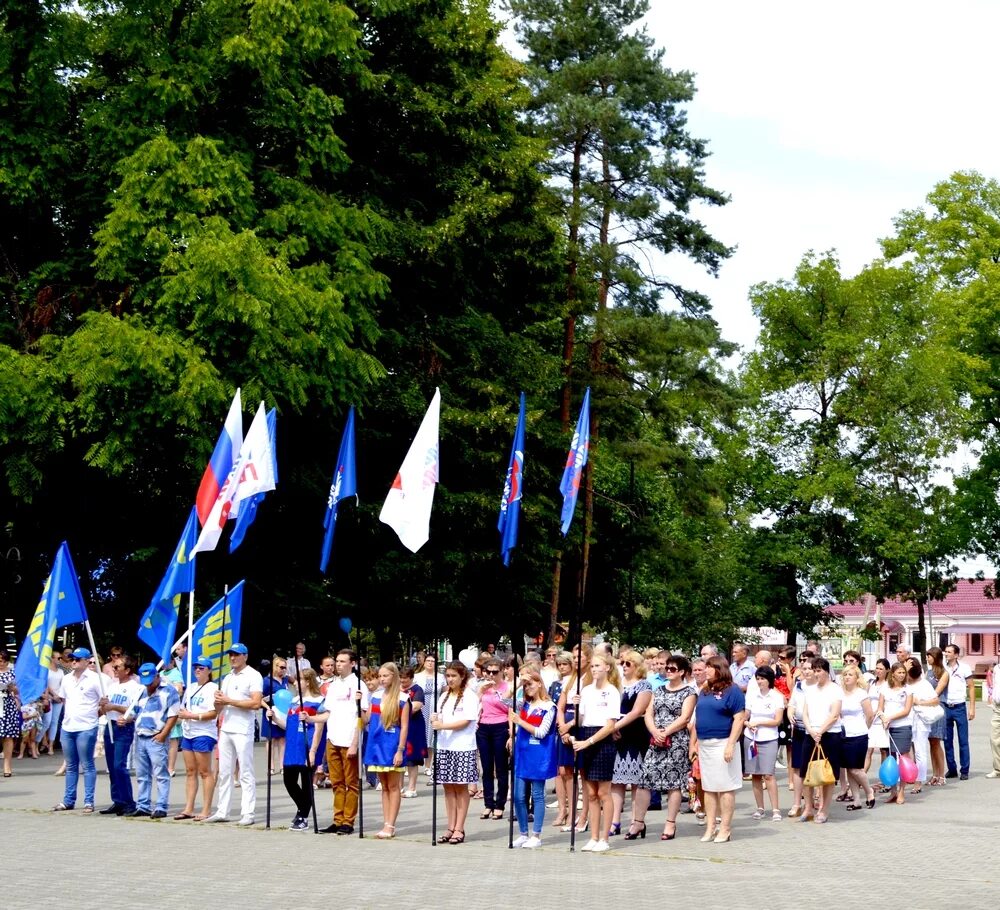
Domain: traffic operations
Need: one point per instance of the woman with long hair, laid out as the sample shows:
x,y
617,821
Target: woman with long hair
x,y
388,721
565,722
937,676
856,714
456,722
631,742
894,708
877,737
668,761
416,732
599,705
718,724
534,748
564,753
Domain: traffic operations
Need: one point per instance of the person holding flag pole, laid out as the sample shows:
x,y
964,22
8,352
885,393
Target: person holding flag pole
x,y
309,751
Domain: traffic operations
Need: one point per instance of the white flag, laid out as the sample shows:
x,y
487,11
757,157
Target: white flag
x,y
407,508
252,473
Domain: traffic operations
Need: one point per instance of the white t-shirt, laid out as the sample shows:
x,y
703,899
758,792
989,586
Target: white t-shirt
x,y
819,702
127,695
199,698
764,707
451,709
598,706
958,686
83,696
893,701
852,712
549,675
342,724
924,691
874,691
797,701
240,686
55,681
303,665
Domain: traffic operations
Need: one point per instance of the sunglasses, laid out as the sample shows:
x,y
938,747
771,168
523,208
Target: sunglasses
x,y
670,669
627,663
492,672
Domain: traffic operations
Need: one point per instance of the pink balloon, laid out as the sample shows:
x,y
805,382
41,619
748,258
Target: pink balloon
x,y
907,769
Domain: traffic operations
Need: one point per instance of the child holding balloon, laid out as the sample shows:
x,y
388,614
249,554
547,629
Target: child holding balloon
x,y
388,722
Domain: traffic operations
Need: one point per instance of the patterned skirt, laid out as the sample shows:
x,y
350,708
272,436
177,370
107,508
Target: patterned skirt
x,y
457,767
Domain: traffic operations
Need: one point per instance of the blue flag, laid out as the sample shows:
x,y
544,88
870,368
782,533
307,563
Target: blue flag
x,y
217,628
344,484
61,605
158,626
248,509
510,502
576,460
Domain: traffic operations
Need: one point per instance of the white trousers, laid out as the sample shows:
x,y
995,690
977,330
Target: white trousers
x,y
233,748
921,748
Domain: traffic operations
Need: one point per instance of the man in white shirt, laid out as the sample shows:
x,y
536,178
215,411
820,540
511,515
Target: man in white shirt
x,y
995,723
303,661
340,712
238,699
957,713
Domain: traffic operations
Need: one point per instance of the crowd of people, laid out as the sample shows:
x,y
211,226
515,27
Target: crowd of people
x,y
666,729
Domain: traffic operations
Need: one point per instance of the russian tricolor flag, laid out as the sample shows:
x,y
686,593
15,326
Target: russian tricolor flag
x,y
223,457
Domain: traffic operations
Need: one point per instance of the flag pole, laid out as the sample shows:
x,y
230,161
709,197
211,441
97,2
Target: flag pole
x,y
100,673
434,762
576,731
222,654
513,742
302,707
190,635
361,762
270,740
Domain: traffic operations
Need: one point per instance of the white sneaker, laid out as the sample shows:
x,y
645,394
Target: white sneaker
x,y
216,818
520,841
378,789
993,775
245,821
602,846
532,842
589,846
555,803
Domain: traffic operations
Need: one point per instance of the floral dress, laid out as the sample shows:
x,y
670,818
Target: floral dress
x,y
668,769
10,714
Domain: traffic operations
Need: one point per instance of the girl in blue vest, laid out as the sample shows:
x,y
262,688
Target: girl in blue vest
x,y
388,721
535,755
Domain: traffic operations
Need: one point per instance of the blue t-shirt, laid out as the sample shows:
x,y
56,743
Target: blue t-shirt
x,y
713,715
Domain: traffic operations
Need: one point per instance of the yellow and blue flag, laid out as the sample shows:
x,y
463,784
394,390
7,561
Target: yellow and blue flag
x,y
510,503
576,461
217,628
158,626
61,605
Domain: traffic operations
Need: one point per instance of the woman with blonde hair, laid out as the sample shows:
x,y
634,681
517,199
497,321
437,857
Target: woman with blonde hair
x,y
455,722
565,723
564,753
533,745
631,741
388,722
894,706
599,705
856,714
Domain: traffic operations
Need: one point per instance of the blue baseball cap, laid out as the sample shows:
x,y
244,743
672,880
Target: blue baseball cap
x,y
82,654
147,673
237,648
203,661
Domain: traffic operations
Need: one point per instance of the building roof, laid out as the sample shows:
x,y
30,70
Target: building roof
x,y
968,603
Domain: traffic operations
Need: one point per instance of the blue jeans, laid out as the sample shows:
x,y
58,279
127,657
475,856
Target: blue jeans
x,y
78,748
956,716
150,762
116,755
521,804
492,742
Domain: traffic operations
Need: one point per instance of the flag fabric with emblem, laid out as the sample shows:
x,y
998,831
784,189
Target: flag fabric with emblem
x,y
221,463
407,508
218,628
248,512
344,484
158,625
61,605
510,502
576,460
252,473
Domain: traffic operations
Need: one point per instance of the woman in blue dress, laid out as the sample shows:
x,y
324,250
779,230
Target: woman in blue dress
x,y
535,758
416,733
388,722
276,680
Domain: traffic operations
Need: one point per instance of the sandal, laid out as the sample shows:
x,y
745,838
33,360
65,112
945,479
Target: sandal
x,y
843,797
560,821
497,814
388,832
88,810
446,837
759,814
457,838
62,807
795,812
487,814
854,807
180,816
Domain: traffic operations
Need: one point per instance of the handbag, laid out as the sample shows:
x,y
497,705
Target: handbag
x,y
819,772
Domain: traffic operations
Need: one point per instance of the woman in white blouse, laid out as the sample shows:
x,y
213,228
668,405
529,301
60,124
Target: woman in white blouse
x,y
856,714
764,707
894,707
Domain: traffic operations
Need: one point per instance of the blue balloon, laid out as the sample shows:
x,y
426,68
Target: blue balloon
x,y
282,700
888,772
345,625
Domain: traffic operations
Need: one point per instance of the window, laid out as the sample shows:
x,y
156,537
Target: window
x,y
975,643
893,643
943,640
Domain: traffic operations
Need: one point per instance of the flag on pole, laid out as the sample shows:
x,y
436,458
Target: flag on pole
x,y
252,473
221,462
344,484
576,460
61,605
510,502
407,508
249,512
217,628
158,625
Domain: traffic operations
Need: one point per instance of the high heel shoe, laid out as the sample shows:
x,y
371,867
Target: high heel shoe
x,y
672,834
708,836
719,839
580,829
615,829
632,835
446,837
